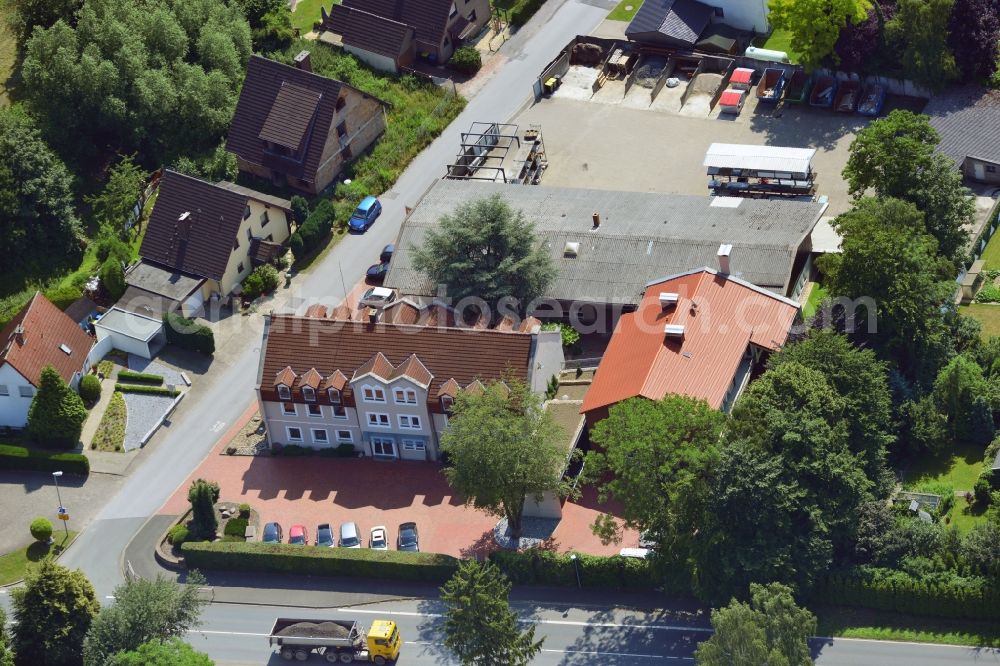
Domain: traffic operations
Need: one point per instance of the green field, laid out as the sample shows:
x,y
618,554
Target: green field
x,y
780,40
622,11
306,13
13,565
886,626
959,470
987,314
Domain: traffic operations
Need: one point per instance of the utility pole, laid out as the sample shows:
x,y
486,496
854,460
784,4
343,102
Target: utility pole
x,y
63,516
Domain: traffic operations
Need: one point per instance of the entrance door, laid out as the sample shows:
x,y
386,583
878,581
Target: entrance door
x,y
977,168
383,447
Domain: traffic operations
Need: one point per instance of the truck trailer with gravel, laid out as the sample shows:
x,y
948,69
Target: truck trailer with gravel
x,y
343,641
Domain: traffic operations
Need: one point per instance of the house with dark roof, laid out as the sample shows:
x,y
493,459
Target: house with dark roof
x,y
385,388
41,335
701,333
389,34
202,240
298,129
967,118
686,23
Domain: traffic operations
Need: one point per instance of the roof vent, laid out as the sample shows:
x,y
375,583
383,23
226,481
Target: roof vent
x,y
303,61
19,334
65,350
723,254
597,219
571,250
668,298
674,330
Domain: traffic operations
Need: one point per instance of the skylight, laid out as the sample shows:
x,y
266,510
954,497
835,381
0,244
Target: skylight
x,y
66,350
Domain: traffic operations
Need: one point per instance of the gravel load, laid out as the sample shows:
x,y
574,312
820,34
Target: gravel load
x,y
315,630
649,70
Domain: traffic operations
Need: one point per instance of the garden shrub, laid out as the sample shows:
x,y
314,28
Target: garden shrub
x,y
524,10
981,491
178,534
41,529
90,388
33,460
63,296
947,493
314,231
300,208
244,510
236,527
285,558
127,376
339,451
263,280
466,60
188,334
113,278
145,388
542,567
990,293
294,450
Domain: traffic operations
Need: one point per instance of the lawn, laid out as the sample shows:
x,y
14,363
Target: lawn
x,y
886,626
13,565
816,296
987,314
779,40
306,13
110,434
8,55
625,10
960,471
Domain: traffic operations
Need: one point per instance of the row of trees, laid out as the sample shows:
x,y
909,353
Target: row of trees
x,y
932,42
58,621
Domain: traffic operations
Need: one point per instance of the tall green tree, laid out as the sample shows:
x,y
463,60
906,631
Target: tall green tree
x,y
39,228
25,15
489,251
964,397
157,653
919,29
772,630
973,31
113,206
816,24
52,614
651,456
503,448
160,77
57,412
203,495
143,611
6,653
480,628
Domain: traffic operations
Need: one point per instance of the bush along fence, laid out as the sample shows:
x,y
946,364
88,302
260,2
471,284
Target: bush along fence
x,y
147,389
188,334
542,567
33,460
888,590
285,558
129,377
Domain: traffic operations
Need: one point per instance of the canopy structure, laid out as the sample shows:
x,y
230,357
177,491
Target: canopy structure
x,y
788,162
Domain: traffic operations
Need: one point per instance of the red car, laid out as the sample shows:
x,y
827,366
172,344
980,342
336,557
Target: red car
x,y
298,536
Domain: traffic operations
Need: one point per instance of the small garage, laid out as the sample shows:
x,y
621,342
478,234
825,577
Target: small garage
x,y
131,333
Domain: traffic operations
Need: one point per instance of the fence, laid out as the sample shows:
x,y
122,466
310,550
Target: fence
x,y
581,363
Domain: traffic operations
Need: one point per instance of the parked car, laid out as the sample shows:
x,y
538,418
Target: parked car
x,y
378,540
638,553
365,214
408,538
297,535
377,297
349,536
376,273
324,536
387,253
272,533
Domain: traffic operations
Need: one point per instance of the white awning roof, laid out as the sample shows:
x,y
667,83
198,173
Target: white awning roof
x,y
759,158
825,239
130,324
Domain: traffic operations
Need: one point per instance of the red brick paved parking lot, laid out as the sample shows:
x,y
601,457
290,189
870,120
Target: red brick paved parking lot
x,y
315,490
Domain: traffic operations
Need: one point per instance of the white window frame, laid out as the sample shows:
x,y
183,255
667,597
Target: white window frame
x,y
406,393
447,402
26,391
342,414
316,440
345,440
382,441
288,433
335,396
4,390
284,409
284,392
309,393
409,422
375,419
319,411
375,392
413,444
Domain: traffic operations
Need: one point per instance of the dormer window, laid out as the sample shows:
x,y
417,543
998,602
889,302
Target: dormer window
x,y
309,394
284,392
373,393
454,11
334,396
447,402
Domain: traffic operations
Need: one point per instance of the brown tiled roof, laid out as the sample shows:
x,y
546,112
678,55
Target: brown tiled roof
x,y
352,347
286,377
201,246
262,88
475,388
264,251
367,31
290,116
316,310
414,369
45,329
337,380
450,388
311,378
377,365
429,18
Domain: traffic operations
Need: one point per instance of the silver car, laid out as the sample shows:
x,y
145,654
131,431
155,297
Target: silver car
x,y
349,536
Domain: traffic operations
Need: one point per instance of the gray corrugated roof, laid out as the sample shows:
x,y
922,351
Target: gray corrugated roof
x,y
642,236
682,20
968,120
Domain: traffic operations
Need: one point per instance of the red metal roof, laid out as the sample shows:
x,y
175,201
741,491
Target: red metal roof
x,y
45,329
741,75
721,316
731,98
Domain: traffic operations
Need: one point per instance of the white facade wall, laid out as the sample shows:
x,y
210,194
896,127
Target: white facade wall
x,y
13,407
742,14
253,226
376,60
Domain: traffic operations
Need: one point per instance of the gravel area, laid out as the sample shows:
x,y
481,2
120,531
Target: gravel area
x,y
534,532
649,70
250,441
170,376
144,411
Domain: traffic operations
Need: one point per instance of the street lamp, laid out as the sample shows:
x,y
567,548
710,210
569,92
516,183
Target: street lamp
x,y
62,509
576,566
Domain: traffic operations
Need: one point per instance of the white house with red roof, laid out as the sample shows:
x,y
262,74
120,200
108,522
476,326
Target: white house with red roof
x,y
699,333
40,335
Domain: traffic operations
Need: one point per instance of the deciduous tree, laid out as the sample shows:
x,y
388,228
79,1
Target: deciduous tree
x,y
486,250
156,653
919,30
859,42
480,628
26,15
6,654
816,24
503,448
52,614
964,396
57,412
143,611
973,31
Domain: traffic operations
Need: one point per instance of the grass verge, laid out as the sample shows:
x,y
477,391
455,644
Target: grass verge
x,y
987,314
841,622
960,469
110,434
14,564
8,55
778,40
625,10
306,13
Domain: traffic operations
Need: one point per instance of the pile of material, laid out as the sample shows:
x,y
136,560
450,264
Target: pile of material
x,y
315,630
586,54
649,70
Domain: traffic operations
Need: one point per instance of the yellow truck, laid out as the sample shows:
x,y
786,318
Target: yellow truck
x,y
343,641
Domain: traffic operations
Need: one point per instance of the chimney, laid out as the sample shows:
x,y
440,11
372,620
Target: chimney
x,y
668,298
303,62
597,220
674,330
723,254
184,223
19,335
372,315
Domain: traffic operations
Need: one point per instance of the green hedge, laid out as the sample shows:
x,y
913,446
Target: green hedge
x,y
884,589
188,334
34,460
541,567
309,560
312,233
144,388
139,377
523,11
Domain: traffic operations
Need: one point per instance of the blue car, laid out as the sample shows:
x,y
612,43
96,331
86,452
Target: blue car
x,y
272,533
365,214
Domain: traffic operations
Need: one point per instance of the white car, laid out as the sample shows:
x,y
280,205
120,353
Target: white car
x,y
377,297
378,540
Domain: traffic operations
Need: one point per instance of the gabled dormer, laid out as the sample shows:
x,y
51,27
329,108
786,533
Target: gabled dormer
x,y
284,381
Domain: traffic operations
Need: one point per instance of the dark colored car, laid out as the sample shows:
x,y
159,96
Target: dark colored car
x,y
365,214
324,536
387,253
408,538
272,533
376,273
297,535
